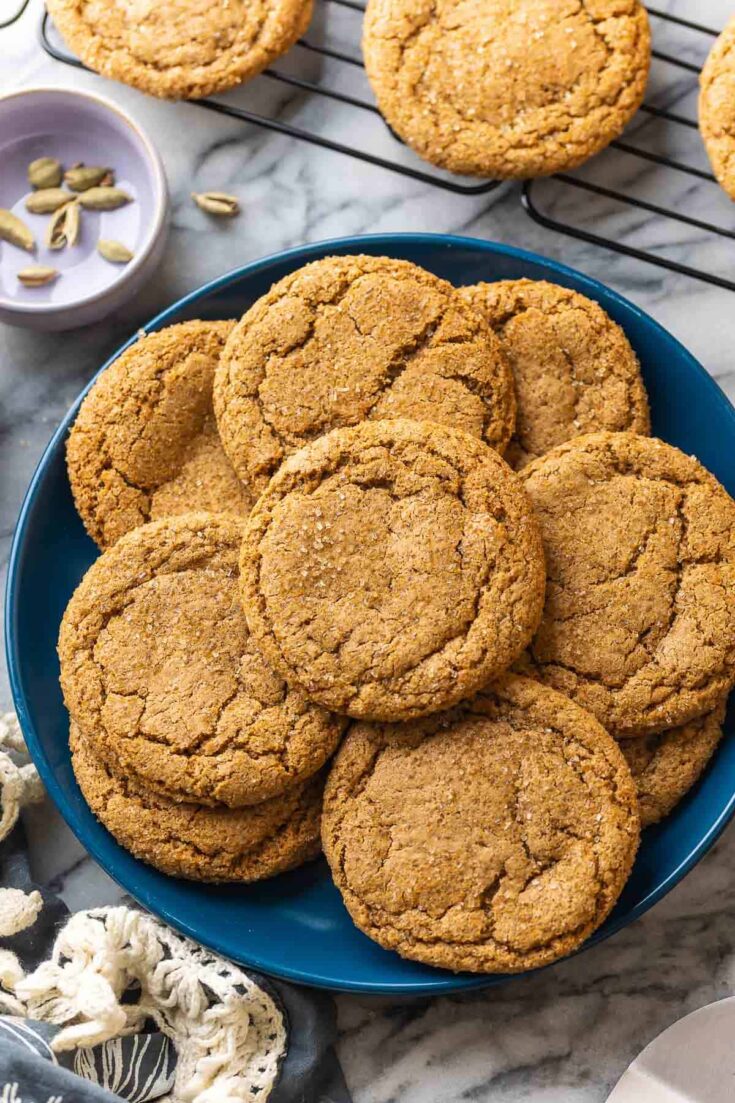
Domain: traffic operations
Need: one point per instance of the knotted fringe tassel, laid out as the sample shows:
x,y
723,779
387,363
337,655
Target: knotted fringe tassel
x,y
228,1033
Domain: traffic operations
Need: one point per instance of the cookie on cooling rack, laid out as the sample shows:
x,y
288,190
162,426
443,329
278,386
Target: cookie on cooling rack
x,y
717,108
498,89
180,49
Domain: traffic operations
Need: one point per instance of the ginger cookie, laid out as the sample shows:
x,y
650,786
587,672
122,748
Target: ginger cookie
x,y
665,766
574,369
144,444
180,49
507,88
495,837
717,108
160,674
200,843
392,568
347,339
639,622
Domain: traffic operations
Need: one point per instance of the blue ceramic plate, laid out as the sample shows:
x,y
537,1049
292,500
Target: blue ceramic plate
x,y
295,926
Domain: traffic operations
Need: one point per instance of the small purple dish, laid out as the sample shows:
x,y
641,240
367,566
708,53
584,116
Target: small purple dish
x,y
76,127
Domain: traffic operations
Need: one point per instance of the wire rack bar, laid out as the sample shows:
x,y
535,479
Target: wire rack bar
x,y
531,189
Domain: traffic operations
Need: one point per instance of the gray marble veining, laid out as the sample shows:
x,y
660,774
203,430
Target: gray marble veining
x,y
566,1034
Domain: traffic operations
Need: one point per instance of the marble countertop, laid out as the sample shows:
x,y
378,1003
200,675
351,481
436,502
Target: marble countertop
x,y
564,1035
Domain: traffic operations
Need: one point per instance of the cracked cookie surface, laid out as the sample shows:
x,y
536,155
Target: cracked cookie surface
x,y
717,108
495,837
200,843
574,369
180,49
507,88
639,621
160,674
392,568
665,766
144,444
347,339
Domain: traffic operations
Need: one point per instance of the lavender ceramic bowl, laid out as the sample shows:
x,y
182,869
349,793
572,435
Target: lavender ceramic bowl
x,y
76,126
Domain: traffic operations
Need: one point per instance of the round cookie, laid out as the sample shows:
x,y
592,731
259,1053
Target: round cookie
x,y
495,837
160,673
392,568
665,766
190,840
350,338
144,444
573,366
717,108
180,49
507,88
639,622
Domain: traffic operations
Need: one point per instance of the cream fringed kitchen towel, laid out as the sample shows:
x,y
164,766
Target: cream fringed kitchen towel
x,y
123,1001
228,1033
19,784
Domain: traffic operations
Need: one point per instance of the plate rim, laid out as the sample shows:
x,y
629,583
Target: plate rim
x,y
445,983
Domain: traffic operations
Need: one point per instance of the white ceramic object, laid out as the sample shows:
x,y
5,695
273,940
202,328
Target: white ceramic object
x,y
76,127
691,1062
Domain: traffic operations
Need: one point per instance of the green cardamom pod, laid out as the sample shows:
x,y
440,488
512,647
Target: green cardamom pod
x,y
63,228
217,202
71,223
104,198
36,275
45,172
15,231
47,200
114,251
83,177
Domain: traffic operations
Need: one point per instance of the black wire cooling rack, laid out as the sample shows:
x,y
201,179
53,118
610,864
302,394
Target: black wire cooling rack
x,y
646,186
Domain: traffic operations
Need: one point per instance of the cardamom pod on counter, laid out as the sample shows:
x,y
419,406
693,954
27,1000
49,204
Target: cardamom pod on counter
x,y
63,229
47,200
114,251
36,275
44,172
217,202
83,177
101,198
15,232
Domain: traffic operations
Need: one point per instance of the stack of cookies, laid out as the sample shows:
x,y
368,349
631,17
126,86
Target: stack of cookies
x,y
328,613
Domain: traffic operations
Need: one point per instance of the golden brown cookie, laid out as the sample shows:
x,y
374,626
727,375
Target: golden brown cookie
x,y
350,338
180,49
573,366
507,88
392,568
159,671
639,622
144,444
717,108
200,843
666,765
495,837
